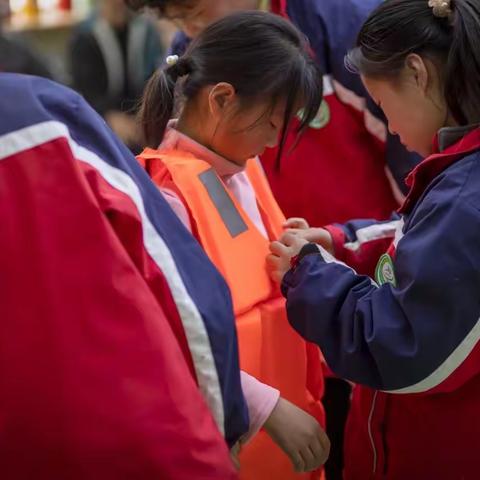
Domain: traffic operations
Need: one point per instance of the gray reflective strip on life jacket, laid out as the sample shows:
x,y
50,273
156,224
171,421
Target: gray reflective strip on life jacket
x,y
221,199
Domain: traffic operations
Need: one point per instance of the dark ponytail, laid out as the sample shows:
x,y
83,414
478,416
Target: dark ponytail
x,y
398,28
462,73
261,55
158,102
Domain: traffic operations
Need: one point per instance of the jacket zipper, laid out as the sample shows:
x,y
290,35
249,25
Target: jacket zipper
x,y
370,434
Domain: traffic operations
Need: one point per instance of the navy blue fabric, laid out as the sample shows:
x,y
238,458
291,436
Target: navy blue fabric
x,y
392,337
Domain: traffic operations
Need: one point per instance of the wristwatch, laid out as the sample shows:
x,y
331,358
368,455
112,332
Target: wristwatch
x,y
307,249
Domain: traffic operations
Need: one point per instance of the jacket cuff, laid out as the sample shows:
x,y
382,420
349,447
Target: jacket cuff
x,y
338,240
307,250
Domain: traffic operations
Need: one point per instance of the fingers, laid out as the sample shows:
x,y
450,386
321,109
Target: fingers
x,y
309,460
296,222
273,263
320,453
294,231
297,461
324,440
288,239
274,267
278,248
282,251
316,453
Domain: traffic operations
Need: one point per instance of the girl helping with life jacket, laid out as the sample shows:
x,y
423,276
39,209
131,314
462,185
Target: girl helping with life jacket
x,y
410,338
243,80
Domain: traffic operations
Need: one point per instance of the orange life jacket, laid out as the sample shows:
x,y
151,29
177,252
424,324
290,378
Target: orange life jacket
x,y
270,350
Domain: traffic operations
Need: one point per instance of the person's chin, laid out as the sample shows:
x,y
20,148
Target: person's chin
x,y
422,151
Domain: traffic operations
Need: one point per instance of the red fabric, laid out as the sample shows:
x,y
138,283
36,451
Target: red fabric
x,y
365,259
279,7
334,174
90,351
455,442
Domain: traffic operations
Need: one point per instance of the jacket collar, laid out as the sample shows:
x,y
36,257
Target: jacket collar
x,y
450,145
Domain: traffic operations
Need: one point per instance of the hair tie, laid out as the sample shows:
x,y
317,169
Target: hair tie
x,y
441,8
172,60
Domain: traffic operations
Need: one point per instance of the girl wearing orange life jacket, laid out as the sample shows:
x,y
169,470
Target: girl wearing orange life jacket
x,y
243,80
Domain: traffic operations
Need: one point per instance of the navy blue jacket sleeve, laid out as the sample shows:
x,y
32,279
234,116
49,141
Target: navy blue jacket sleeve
x,y
418,336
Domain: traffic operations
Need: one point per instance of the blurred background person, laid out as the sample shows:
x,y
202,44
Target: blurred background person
x,y
17,56
111,56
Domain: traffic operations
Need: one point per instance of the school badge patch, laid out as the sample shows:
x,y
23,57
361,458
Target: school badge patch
x,y
385,271
322,117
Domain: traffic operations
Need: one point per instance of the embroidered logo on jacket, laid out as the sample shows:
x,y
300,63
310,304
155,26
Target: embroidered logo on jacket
x,y
385,271
321,119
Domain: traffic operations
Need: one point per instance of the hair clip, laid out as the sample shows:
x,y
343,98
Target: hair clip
x,y
171,60
441,8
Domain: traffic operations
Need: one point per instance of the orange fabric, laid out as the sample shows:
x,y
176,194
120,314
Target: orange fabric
x,y
270,350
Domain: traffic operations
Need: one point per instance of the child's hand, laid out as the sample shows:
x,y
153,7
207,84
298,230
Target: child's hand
x,y
283,250
296,223
315,235
300,227
299,435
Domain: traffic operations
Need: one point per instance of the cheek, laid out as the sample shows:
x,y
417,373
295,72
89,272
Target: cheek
x,y
414,125
425,123
259,138
230,142
242,145
250,142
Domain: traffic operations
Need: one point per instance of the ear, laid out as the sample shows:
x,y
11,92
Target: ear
x,y
221,99
417,71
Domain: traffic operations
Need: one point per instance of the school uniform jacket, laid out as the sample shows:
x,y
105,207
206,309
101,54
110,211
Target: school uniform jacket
x,y
118,351
410,337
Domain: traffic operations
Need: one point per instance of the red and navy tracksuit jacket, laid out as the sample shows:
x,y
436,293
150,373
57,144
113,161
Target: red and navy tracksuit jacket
x,y
118,349
409,338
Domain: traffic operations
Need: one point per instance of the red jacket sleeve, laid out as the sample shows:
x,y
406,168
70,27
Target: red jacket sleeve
x,y
360,243
93,381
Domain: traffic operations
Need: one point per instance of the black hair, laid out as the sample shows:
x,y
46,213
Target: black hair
x,y
260,54
398,28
